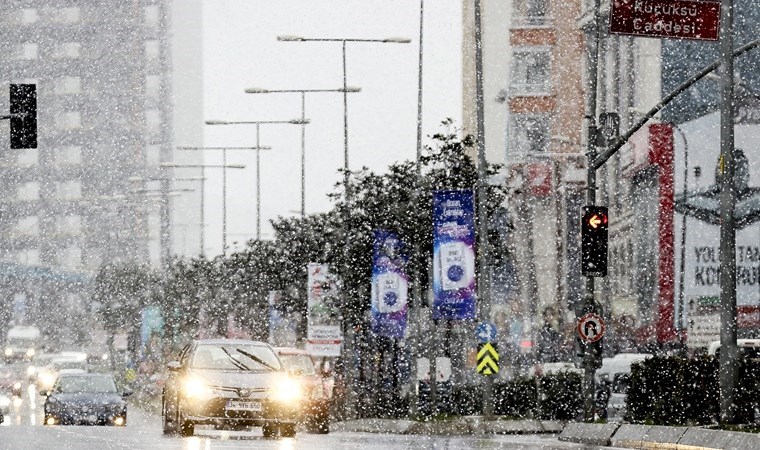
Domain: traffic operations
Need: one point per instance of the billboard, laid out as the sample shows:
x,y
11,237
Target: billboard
x,y
389,286
454,291
323,335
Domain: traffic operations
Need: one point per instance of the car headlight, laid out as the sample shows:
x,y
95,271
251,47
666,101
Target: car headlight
x,y
30,352
17,385
47,379
196,388
8,352
287,390
31,370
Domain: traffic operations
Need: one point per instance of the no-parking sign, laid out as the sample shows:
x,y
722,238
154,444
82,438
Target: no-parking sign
x,y
591,327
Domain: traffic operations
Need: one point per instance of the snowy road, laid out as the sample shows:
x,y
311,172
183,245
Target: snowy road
x,y
23,430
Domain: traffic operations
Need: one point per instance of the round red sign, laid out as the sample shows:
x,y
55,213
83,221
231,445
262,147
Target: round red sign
x,y
591,327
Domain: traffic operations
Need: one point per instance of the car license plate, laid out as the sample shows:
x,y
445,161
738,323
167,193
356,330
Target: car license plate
x,y
244,406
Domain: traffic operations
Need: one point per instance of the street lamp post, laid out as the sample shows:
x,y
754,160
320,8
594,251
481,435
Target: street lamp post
x,y
346,171
303,126
224,168
258,147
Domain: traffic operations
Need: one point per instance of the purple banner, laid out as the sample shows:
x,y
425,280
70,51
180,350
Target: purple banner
x,y
389,286
454,291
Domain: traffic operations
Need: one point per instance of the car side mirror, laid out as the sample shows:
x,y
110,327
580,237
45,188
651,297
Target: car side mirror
x,y
126,394
173,366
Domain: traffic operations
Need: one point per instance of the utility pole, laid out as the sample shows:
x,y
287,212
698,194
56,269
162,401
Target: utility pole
x,y
728,350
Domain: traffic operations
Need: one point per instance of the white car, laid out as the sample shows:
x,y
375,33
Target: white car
x,y
47,375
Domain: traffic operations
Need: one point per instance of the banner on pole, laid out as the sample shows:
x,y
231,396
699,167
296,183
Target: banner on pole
x,y
389,286
283,328
453,255
324,336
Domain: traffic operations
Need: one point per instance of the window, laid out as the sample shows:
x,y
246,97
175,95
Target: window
x,y
28,225
29,256
153,155
69,225
28,50
29,16
68,190
67,15
531,70
152,16
152,86
67,85
527,13
66,50
68,155
28,157
29,191
68,120
152,50
70,256
153,120
529,133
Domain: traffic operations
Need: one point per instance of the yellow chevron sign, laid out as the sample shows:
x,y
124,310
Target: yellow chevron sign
x,y
488,359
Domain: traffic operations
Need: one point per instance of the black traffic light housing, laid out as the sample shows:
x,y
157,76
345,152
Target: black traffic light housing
x,y
594,224
23,116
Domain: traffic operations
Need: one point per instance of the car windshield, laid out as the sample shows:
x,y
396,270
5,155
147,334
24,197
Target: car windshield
x,y
302,363
70,385
235,357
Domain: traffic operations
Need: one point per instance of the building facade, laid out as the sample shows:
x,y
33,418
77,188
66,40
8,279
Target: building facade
x,y
83,197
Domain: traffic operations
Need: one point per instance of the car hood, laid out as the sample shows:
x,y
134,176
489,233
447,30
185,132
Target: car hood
x,y
238,378
87,398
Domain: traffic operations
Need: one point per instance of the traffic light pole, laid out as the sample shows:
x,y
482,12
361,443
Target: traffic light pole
x,y
588,364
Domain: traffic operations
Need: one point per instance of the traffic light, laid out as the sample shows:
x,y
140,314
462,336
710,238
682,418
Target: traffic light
x,y
23,116
594,241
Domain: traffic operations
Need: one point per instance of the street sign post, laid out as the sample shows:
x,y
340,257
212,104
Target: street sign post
x,y
683,19
486,332
488,359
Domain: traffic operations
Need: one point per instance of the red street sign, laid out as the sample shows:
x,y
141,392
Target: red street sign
x,y
684,19
591,327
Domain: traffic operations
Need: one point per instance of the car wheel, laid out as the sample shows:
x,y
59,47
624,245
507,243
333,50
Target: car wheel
x,y
186,427
269,430
169,425
288,430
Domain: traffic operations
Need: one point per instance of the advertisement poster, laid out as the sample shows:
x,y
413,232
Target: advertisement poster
x,y
282,326
324,335
453,256
389,286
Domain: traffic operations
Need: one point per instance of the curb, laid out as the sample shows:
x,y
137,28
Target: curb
x,y
457,427
589,433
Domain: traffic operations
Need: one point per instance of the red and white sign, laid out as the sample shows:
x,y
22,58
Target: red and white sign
x,y
540,179
591,327
683,19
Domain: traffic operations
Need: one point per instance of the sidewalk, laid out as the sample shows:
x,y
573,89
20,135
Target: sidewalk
x,y
609,434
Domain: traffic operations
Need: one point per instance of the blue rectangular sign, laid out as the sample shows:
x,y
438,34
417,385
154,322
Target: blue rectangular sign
x,y
453,255
389,286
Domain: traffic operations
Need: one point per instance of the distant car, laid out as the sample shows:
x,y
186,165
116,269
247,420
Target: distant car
x,y
12,378
316,414
553,368
85,399
614,377
748,348
46,376
230,383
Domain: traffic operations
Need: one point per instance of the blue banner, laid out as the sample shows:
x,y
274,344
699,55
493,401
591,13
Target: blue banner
x,y
389,286
454,293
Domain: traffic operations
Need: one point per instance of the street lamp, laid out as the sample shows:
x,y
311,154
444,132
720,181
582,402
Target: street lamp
x,y
258,147
346,173
303,127
203,167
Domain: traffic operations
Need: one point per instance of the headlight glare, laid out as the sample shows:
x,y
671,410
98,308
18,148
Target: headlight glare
x,y
30,352
31,370
8,352
288,390
196,388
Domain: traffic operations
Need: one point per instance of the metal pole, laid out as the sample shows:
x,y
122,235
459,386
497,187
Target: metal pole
x,y
224,201
588,363
258,185
416,304
728,350
483,295
303,154
682,262
203,214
